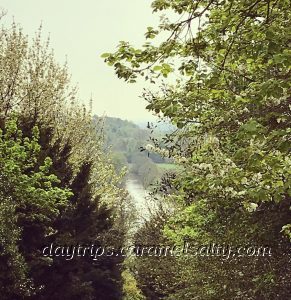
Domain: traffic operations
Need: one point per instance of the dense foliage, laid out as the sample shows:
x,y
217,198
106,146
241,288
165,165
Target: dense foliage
x,y
127,142
57,185
225,69
30,203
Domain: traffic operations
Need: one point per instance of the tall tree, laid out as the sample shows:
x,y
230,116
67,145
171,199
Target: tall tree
x,y
67,155
31,201
230,64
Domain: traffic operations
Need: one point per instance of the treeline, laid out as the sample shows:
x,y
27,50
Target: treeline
x,y
57,185
127,142
229,94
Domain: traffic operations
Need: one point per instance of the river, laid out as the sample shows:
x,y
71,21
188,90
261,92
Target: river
x,y
141,201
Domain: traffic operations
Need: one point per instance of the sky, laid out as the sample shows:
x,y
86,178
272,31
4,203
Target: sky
x,y
80,31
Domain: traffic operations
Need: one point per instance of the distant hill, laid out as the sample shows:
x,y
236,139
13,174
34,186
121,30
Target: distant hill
x,y
124,136
126,140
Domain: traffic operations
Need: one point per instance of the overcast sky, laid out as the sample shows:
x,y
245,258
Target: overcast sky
x,y
82,31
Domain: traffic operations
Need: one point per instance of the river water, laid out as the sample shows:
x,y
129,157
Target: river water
x,y
141,202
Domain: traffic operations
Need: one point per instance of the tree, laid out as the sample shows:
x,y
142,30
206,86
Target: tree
x,y
67,155
145,169
230,61
85,221
30,203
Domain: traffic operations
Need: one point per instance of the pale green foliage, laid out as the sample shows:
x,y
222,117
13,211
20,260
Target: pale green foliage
x,y
39,90
130,289
233,98
231,63
36,204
